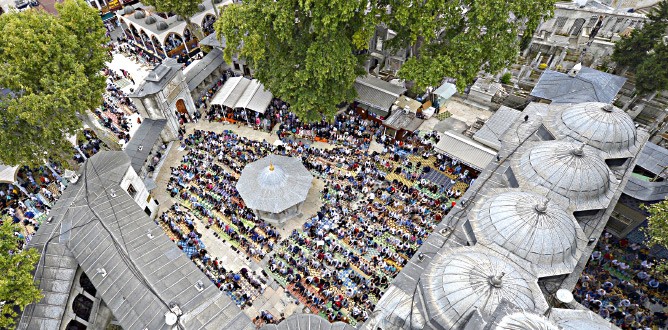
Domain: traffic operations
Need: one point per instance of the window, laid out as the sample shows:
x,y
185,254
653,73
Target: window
x,y
148,198
132,191
379,44
147,211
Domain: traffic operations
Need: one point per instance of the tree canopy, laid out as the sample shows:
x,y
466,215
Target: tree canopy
x,y
51,68
646,53
657,223
457,39
302,51
17,288
309,53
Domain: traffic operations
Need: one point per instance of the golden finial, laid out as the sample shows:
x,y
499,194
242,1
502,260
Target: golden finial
x,y
271,166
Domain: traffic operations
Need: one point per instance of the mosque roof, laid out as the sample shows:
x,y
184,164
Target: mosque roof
x,y
274,183
469,278
569,319
589,85
525,321
599,125
307,322
532,227
572,170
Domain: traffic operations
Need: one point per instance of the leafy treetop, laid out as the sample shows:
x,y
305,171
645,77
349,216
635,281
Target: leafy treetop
x,y
51,65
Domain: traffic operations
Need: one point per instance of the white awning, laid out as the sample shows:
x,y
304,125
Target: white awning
x,y
469,152
8,173
224,93
255,97
236,93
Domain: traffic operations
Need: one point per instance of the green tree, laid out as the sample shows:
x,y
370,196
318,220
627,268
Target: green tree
x,y
52,66
17,288
183,8
645,52
458,39
305,52
657,223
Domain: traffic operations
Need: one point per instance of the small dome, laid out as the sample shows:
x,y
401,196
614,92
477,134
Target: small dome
x,y
179,18
201,7
461,280
217,1
569,169
531,227
525,321
150,20
139,14
600,125
162,26
128,10
272,177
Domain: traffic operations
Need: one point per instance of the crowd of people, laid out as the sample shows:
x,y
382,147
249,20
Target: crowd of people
x,y
377,210
622,283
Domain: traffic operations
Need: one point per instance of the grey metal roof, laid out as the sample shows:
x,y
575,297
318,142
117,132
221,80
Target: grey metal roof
x,y
451,124
153,272
600,125
399,119
203,68
646,191
588,85
158,78
55,274
571,170
525,321
532,227
376,93
470,152
570,319
307,322
143,141
461,280
212,41
490,133
274,183
654,158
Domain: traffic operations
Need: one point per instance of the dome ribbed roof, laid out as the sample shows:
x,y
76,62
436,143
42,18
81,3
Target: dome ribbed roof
x,y
525,321
467,278
600,125
274,183
532,227
139,14
569,169
162,26
128,10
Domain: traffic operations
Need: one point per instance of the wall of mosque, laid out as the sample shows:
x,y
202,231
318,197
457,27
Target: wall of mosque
x,y
133,185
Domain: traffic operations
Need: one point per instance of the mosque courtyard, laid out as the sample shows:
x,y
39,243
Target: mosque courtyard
x,y
364,217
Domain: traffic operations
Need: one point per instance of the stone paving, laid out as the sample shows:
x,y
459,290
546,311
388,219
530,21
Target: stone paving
x,y
274,299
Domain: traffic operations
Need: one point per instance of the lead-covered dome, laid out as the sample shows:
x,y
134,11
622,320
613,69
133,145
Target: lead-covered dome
x,y
274,183
525,321
461,280
532,227
600,125
569,169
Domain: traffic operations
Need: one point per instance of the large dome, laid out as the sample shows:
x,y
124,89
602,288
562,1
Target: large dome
x,y
600,125
569,169
464,279
533,228
525,321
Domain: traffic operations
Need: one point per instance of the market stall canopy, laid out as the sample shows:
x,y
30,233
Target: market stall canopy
x,y
445,91
274,183
256,97
404,102
8,173
231,91
466,150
